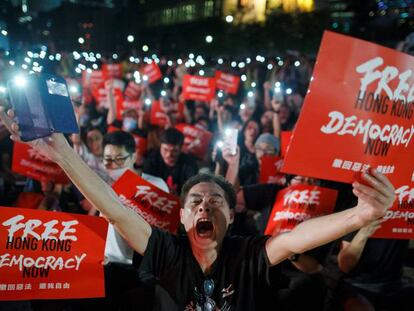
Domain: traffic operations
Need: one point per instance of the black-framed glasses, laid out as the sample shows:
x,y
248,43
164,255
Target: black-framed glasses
x,y
208,289
118,161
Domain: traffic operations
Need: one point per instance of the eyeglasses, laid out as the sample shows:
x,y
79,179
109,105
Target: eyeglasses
x,y
208,289
118,161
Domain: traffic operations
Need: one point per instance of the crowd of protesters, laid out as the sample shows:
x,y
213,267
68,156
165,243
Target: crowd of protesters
x,y
357,273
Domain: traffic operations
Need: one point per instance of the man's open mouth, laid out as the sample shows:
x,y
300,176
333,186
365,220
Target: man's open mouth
x,y
204,227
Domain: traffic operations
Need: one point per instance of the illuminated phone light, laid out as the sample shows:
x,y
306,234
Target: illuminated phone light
x,y
130,38
95,66
145,78
78,70
242,65
201,72
20,81
297,63
280,63
147,102
269,66
220,61
30,54
137,60
187,65
227,132
209,38
242,106
163,93
98,56
157,60
58,56
233,64
250,94
3,89
51,57
73,89
288,91
277,90
219,144
229,19
131,59
248,60
4,32
24,66
277,84
311,78
243,78
115,56
170,63
220,94
145,48
191,55
253,84
81,40
89,70
179,61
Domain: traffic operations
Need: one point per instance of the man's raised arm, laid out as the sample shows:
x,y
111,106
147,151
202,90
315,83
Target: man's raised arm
x,y
131,226
373,201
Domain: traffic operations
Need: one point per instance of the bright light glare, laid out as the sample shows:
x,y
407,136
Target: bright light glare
x,y
145,48
20,81
209,38
166,80
163,93
81,40
3,89
229,19
147,102
130,38
289,91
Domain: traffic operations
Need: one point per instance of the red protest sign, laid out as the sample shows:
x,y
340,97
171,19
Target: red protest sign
x,y
152,71
158,114
102,100
49,255
92,79
399,219
227,82
270,170
140,142
132,91
357,113
111,71
157,207
29,162
298,203
196,140
198,88
285,138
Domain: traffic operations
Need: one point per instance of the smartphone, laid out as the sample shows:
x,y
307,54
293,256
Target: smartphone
x,y
230,140
42,106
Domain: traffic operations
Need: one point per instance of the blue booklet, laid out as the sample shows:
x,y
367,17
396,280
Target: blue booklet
x,y
42,106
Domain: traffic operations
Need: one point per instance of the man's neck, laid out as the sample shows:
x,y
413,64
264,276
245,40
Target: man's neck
x,y
205,258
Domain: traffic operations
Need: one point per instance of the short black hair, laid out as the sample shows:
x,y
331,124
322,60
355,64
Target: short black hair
x,y
172,136
120,139
229,192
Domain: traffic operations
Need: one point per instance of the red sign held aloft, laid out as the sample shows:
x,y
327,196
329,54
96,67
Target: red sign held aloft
x,y
399,219
285,138
196,140
199,88
157,207
133,91
159,113
29,162
111,71
358,113
152,71
49,255
270,170
92,80
227,82
299,203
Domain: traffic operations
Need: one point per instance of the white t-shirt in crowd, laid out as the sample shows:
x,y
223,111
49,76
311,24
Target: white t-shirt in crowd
x,y
117,249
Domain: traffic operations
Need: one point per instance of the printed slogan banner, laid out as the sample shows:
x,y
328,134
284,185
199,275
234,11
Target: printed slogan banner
x,y
50,255
92,80
152,71
358,113
158,115
29,162
157,207
270,170
196,140
111,71
399,220
198,88
298,203
227,82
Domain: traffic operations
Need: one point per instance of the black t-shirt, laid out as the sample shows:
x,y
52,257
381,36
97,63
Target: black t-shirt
x,y
240,273
381,261
175,176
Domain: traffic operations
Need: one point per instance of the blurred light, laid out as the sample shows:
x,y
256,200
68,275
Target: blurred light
x,y
209,38
35,55
277,84
243,78
242,106
24,7
137,60
277,89
24,66
166,80
78,70
76,55
131,59
250,94
3,89
95,66
91,54
89,70
154,56
311,78
36,64
220,61
248,60
219,144
179,61
229,19
12,62
145,48
84,54
163,93
20,80
297,63
269,66
27,59
81,40
98,56
170,63
145,78
147,101
280,63
253,84
51,57
30,54
220,94
233,64
115,56
4,32
191,55
137,77
58,56
42,54
288,91
130,38
201,72
227,132
242,65
73,89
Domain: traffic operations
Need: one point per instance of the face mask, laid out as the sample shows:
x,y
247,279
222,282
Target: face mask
x,y
115,173
129,124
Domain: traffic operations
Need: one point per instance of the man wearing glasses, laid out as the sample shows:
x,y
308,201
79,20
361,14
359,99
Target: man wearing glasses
x,y
236,266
